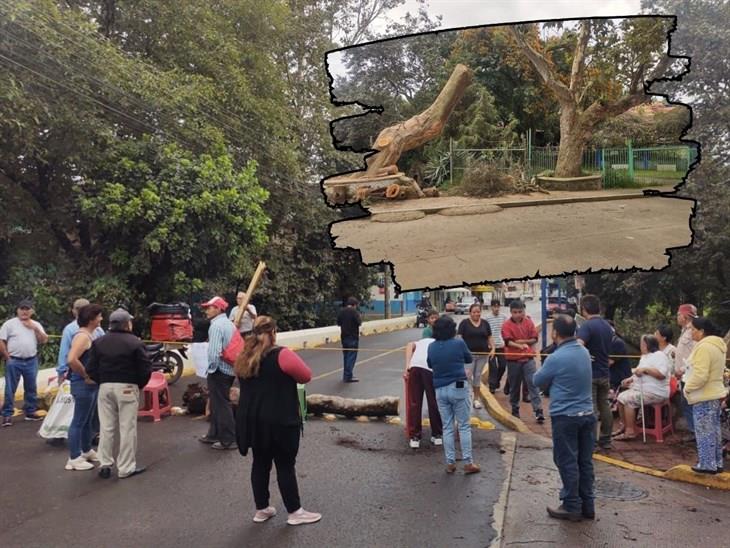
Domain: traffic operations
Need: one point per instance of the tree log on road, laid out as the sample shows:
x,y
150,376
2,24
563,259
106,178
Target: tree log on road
x,y
374,407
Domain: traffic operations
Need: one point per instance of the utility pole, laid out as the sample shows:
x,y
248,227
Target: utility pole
x,y
386,288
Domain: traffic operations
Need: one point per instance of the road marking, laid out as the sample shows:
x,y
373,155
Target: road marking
x,y
339,370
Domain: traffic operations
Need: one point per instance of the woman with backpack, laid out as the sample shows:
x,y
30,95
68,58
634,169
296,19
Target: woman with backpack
x,y
269,419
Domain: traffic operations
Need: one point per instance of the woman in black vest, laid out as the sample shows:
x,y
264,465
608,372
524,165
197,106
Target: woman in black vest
x,y
269,419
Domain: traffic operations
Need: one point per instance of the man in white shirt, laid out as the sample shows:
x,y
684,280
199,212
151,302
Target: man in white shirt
x,y
19,339
245,327
685,345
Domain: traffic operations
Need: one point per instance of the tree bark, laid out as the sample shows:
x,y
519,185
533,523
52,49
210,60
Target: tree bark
x,y
570,153
375,407
414,132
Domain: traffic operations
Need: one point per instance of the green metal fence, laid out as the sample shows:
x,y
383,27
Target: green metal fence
x,y
627,166
621,167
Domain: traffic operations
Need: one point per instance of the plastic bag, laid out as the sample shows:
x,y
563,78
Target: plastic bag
x,y
59,416
199,357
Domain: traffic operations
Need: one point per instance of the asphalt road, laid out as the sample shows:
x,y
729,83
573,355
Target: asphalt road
x,y
520,242
371,488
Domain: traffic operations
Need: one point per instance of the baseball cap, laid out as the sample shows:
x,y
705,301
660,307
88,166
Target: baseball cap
x,y
120,316
80,303
218,302
688,310
25,303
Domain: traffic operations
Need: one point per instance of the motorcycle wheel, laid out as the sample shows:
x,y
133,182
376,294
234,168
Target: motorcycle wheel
x,y
174,364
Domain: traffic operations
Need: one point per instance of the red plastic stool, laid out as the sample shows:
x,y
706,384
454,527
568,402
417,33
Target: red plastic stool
x,y
659,428
155,391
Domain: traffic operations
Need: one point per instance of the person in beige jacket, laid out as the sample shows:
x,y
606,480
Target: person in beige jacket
x,y
704,390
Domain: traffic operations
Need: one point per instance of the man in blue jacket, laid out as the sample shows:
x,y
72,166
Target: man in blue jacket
x,y
568,374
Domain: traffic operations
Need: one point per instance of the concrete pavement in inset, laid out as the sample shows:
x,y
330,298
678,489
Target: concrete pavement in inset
x,y
522,241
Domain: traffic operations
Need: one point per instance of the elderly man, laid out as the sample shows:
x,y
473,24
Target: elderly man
x,y
119,364
222,431
568,375
245,325
685,313
19,340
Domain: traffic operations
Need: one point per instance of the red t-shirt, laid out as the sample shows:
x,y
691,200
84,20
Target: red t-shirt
x,y
512,331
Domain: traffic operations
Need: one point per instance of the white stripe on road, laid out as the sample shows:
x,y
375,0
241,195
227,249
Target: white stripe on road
x,y
339,369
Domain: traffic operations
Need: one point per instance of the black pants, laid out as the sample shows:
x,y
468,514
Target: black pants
x,y
281,449
497,367
222,424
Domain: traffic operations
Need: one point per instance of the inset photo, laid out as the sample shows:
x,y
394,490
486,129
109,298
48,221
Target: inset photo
x,y
512,151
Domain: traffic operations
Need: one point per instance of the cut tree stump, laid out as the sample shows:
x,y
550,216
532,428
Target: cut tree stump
x,y
374,407
393,141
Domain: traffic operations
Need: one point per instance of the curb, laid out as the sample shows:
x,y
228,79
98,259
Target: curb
x,y
374,327
435,209
500,414
508,442
681,472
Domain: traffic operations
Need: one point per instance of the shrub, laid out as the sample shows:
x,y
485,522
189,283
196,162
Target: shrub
x,y
483,179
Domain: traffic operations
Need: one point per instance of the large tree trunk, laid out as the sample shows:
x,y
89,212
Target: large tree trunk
x,y
570,153
375,407
414,132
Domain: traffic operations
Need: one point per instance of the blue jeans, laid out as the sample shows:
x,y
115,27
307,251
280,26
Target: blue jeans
x,y
454,403
14,369
349,356
81,431
573,439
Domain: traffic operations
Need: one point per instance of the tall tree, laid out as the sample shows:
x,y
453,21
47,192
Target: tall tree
x,y
603,76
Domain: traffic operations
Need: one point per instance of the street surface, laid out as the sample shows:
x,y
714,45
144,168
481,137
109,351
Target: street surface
x,y
371,488
523,241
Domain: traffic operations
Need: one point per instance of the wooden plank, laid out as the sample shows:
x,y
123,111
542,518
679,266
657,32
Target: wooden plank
x,y
249,292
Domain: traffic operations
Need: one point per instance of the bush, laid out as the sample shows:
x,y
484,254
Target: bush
x,y
484,180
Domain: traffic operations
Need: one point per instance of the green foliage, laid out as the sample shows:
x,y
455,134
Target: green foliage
x,y
161,210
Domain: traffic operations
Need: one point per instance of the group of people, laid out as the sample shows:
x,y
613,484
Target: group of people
x,y
448,371
105,370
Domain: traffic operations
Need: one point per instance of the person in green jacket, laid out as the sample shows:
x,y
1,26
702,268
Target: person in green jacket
x,y
704,389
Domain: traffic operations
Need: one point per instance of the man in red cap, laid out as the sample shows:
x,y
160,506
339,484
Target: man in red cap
x,y
685,344
221,433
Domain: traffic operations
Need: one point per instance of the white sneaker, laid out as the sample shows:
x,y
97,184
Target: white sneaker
x,y
477,404
79,463
437,440
301,516
415,443
90,455
265,514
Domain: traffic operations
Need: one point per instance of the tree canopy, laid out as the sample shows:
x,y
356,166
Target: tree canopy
x,y
158,151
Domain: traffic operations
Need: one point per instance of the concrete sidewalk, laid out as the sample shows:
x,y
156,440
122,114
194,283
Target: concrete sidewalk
x,y
631,509
672,458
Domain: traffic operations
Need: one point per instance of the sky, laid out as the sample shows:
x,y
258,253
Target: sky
x,y
460,13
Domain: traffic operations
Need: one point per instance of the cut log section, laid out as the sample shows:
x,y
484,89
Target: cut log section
x,y
374,407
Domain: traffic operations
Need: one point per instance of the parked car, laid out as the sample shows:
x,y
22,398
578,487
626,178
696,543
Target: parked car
x,y
559,305
463,307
